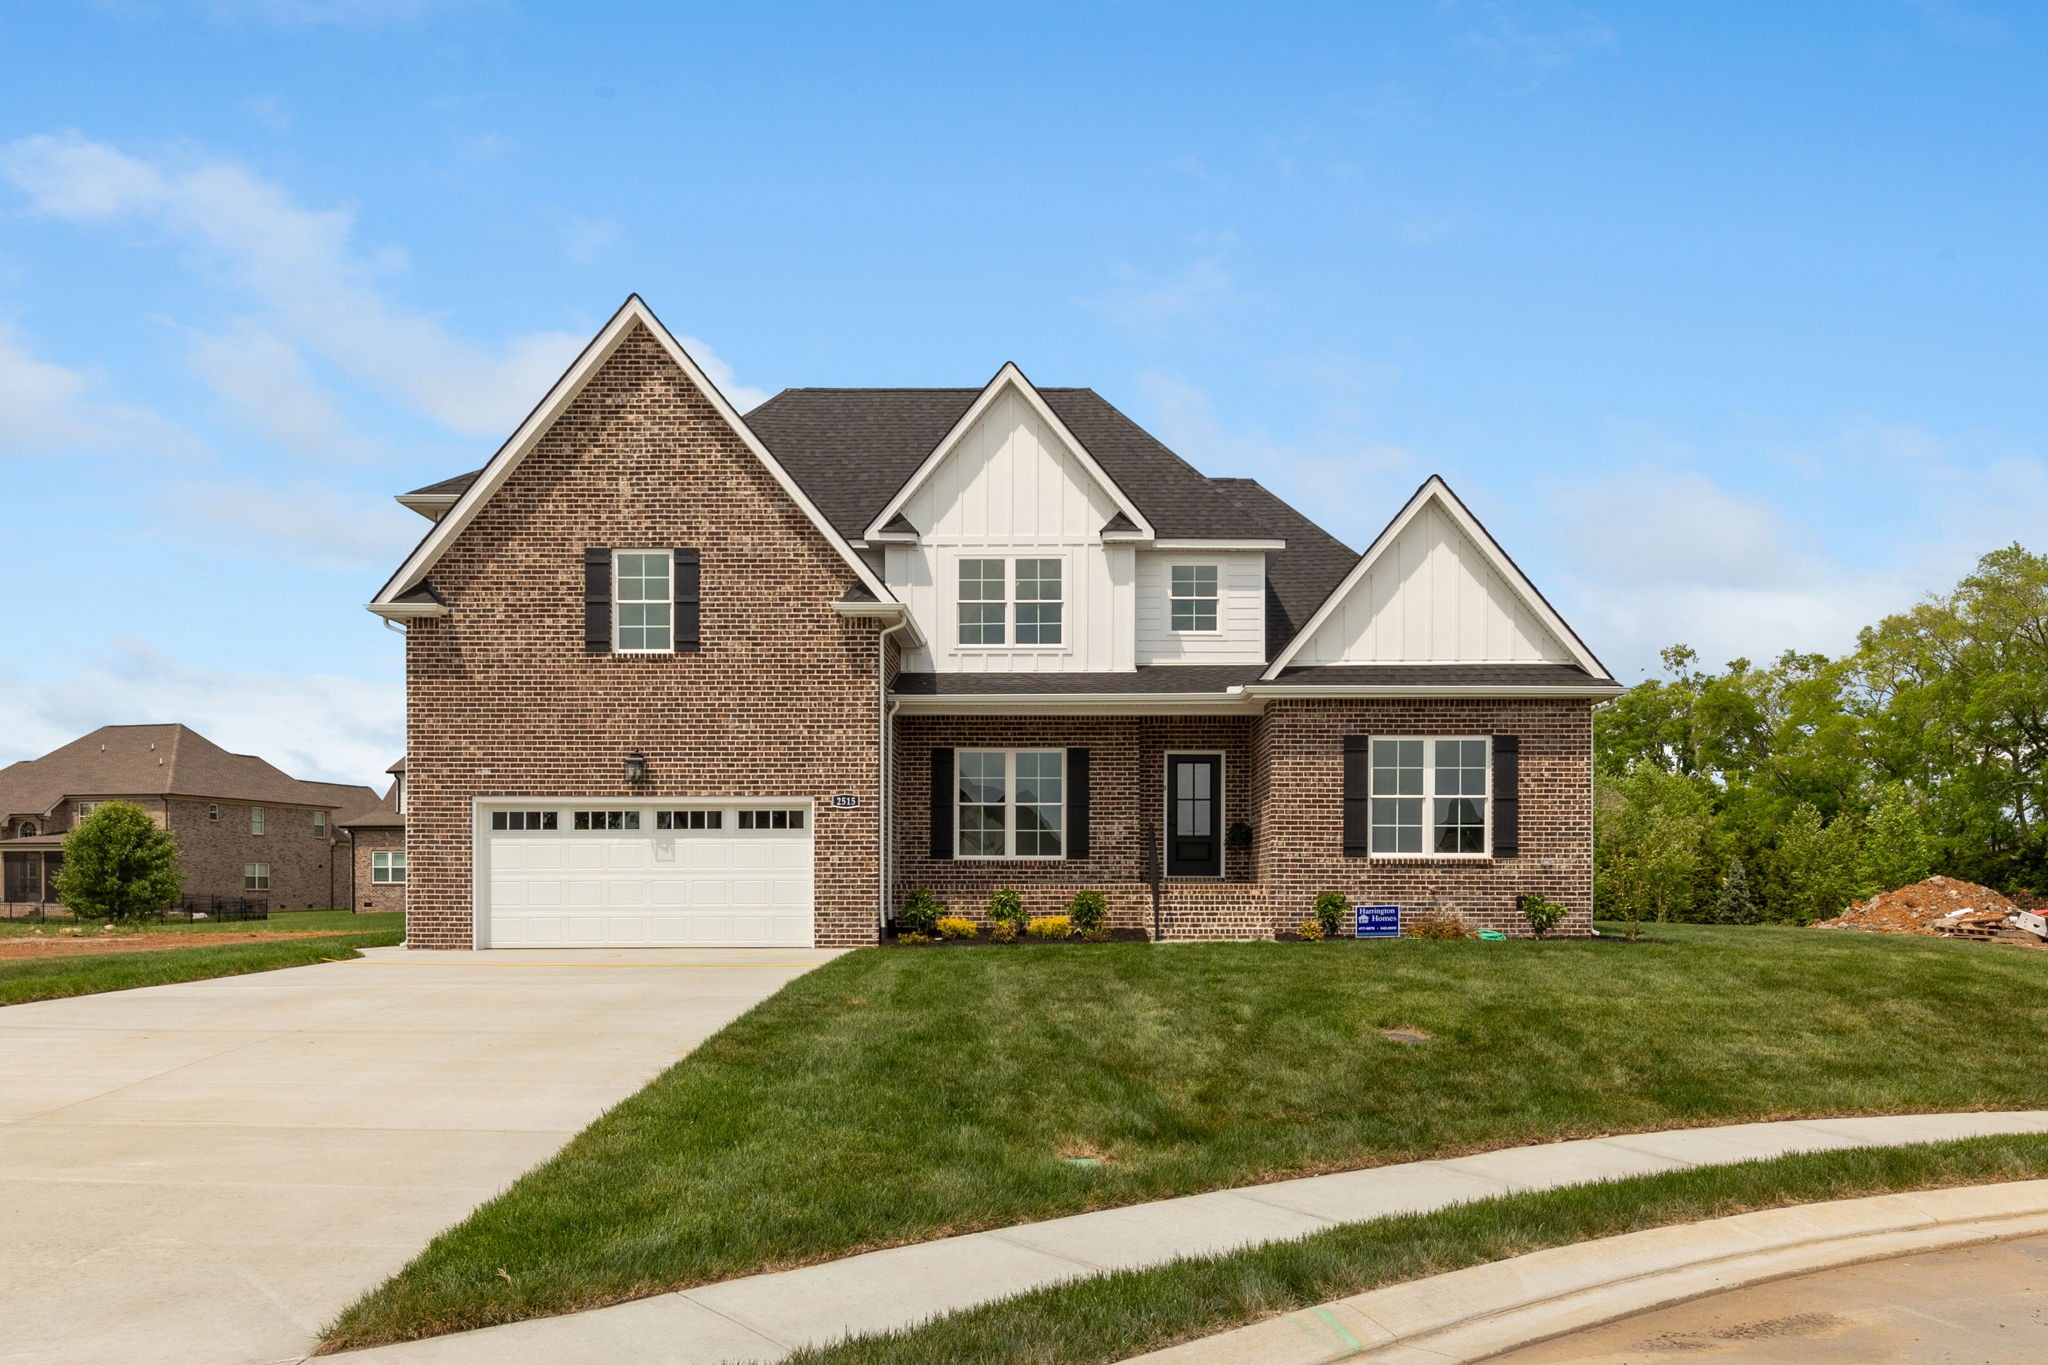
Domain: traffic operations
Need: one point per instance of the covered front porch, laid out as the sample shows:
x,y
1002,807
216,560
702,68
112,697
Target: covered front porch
x,y
28,871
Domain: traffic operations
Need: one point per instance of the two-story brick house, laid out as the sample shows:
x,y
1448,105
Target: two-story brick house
x,y
680,676
244,828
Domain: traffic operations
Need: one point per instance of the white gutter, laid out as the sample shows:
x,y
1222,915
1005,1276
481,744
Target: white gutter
x,y
885,778
406,611
895,612
1267,689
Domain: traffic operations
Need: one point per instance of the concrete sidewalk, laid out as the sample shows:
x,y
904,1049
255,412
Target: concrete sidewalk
x,y
764,1317
209,1172
1479,1312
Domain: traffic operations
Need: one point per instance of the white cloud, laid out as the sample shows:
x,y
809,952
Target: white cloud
x,y
319,290
264,381
46,408
271,114
313,725
1157,307
319,526
585,239
743,397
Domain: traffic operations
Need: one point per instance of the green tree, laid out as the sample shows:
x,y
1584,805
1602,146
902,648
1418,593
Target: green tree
x,y
1648,830
119,865
1817,867
1896,849
1734,902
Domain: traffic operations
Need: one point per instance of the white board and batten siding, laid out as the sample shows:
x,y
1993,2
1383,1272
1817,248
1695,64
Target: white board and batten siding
x,y
1240,634
1011,488
1432,597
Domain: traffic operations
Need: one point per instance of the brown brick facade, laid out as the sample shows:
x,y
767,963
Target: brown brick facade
x,y
306,872
1283,776
782,700
374,896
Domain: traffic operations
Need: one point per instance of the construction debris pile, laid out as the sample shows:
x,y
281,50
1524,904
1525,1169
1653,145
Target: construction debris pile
x,y
1942,907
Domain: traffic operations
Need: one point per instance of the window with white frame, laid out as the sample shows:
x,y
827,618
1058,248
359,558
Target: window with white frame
x,y
26,829
255,876
989,588
1010,803
1429,796
643,597
320,823
387,866
1192,597
255,819
213,812
86,808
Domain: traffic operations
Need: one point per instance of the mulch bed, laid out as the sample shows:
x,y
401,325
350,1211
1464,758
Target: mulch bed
x,y
982,940
86,945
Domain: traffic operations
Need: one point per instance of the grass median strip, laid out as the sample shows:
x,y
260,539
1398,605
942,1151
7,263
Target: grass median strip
x,y
58,977
1112,1317
892,1097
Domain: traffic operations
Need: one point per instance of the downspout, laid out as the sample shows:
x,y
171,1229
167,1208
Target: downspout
x,y
885,777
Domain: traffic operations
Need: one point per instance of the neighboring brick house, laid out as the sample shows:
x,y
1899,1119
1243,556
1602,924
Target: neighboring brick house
x,y
679,676
377,860
244,829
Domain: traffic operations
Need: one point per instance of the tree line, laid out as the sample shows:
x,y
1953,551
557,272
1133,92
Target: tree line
x,y
1781,793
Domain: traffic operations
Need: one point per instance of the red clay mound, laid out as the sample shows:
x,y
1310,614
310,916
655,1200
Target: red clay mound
x,y
1939,906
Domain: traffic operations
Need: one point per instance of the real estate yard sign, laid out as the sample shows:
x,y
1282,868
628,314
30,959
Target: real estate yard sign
x,y
1379,921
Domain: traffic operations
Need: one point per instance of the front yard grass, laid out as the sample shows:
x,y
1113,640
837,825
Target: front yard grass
x,y
53,978
280,922
893,1097
1115,1316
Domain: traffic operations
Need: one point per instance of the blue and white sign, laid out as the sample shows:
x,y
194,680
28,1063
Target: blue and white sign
x,y
1379,921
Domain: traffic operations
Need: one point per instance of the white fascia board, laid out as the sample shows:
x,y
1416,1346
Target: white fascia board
x,y
1007,377
432,506
1434,489
564,392
407,611
1198,545
1327,690
1231,703
883,611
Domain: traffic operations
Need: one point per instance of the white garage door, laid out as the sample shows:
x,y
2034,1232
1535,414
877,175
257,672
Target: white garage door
x,y
553,875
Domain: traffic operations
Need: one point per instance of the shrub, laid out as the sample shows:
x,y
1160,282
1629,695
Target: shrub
x,y
1310,930
956,926
1002,931
1330,908
1049,927
118,865
1006,907
1543,915
1086,910
1436,926
919,913
913,938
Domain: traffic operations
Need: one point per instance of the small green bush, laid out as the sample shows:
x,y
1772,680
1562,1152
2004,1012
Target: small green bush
x,y
1311,930
1002,931
1086,910
1006,907
956,926
1543,915
913,938
1331,907
919,913
1050,927
118,865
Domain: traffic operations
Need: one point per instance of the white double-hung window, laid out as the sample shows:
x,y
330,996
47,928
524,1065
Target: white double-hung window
x,y
387,867
1010,803
644,600
1429,796
1192,597
1012,602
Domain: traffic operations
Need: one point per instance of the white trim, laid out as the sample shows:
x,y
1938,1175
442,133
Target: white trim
x,y
1577,691
1217,545
436,542
1010,601
1430,795
432,506
1214,599
407,611
670,601
1009,376
1435,490
1166,818
1010,805
1232,701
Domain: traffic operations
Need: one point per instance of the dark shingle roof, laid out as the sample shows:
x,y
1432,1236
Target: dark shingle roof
x,y
1300,577
459,484
1442,675
381,815
159,760
852,449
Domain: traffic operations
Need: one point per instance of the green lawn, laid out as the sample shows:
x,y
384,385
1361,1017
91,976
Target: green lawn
x,y
280,922
52,978
1112,1317
894,1096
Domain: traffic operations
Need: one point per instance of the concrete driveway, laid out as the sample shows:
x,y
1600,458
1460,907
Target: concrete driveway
x,y
209,1172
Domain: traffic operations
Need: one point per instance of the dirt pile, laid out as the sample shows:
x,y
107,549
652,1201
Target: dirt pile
x,y
1940,906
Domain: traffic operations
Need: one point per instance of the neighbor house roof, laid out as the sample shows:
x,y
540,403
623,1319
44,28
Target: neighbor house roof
x,y
383,814
159,760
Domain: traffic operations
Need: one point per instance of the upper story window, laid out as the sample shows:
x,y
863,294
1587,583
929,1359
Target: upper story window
x,y
255,819
320,823
85,808
1429,796
1011,803
1193,597
989,588
213,812
645,602
26,829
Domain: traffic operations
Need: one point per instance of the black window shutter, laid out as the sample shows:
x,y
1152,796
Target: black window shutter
x,y
1077,803
687,595
1357,796
1507,795
942,803
597,600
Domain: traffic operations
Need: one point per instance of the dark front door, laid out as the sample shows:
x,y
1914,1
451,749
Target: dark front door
x,y
1194,815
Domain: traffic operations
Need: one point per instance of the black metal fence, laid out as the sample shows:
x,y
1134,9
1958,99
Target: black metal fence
x,y
187,908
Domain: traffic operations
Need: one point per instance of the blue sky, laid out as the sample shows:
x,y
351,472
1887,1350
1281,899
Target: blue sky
x,y
1727,320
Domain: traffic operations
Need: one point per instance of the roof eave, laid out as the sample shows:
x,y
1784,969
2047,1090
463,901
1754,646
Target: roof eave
x,y
1518,690
406,611
1233,701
